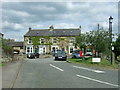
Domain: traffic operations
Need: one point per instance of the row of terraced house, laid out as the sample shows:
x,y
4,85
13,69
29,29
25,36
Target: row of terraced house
x,y
46,40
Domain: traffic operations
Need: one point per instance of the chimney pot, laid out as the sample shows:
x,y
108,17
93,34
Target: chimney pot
x,y
30,28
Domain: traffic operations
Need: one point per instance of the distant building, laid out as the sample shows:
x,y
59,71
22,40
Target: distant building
x,y
17,46
50,39
1,35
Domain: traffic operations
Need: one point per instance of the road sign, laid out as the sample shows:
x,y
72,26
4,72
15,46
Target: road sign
x,y
96,59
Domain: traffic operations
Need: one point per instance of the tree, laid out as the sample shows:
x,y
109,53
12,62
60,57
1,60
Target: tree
x,y
117,47
7,48
99,40
80,41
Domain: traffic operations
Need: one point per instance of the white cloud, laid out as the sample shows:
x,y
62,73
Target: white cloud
x,y
18,26
42,7
16,13
65,25
12,25
60,14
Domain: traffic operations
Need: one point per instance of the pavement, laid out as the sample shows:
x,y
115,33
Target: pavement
x,y
9,73
47,73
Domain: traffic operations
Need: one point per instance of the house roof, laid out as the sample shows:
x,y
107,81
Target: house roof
x,y
54,32
1,34
15,44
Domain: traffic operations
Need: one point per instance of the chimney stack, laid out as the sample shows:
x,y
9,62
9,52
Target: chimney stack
x,y
51,28
80,28
30,28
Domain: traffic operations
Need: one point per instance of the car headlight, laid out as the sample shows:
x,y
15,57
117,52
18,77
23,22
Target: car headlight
x,y
63,56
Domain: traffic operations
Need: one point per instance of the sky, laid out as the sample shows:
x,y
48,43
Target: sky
x,y
17,17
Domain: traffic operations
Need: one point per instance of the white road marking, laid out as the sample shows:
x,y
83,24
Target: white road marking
x,y
56,67
97,80
97,71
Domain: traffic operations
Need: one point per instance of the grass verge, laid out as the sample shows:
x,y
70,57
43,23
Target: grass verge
x,y
103,64
2,64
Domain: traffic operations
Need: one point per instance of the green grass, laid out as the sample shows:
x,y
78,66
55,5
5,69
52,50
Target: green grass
x,y
104,63
1,64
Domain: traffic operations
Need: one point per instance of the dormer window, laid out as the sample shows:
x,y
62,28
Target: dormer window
x,y
42,40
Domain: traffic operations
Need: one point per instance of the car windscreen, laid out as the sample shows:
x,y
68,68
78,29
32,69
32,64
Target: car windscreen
x,y
77,51
60,52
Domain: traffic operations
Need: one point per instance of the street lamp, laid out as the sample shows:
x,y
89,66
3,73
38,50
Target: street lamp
x,y
110,33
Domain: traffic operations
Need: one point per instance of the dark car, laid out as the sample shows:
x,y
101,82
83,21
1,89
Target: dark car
x,y
76,54
55,51
36,55
60,55
30,55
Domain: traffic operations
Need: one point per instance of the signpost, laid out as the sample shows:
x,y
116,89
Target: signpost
x,y
96,60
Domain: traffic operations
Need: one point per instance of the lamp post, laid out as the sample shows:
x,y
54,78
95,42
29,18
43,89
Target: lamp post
x,y
110,33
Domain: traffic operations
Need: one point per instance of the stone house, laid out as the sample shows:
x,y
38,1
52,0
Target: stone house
x,y
17,46
47,40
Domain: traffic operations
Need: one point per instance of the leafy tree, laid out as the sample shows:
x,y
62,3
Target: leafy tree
x,y
117,47
97,40
80,41
7,48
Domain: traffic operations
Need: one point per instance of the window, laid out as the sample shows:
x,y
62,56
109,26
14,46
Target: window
x,y
44,50
31,49
54,40
29,41
72,40
71,49
28,49
42,40
21,47
53,48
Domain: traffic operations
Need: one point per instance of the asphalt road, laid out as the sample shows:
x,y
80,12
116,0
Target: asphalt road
x,y
47,73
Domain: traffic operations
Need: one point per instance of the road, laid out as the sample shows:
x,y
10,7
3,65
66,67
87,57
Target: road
x,y
47,73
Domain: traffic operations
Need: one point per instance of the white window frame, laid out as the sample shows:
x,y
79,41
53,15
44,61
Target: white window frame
x,y
72,39
70,48
42,46
54,40
55,47
29,41
41,40
30,49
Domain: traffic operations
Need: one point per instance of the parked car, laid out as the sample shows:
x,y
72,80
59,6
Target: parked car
x,y
60,55
55,51
88,52
30,55
36,55
76,54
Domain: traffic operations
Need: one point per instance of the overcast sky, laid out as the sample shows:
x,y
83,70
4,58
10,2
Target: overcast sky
x,y
17,17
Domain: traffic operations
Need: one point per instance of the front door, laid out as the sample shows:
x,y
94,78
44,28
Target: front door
x,y
42,50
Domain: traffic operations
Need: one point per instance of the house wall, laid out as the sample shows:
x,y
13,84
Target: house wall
x,y
59,45
18,48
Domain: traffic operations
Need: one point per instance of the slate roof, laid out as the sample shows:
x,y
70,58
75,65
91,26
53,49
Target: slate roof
x,y
55,32
15,44
1,34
